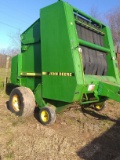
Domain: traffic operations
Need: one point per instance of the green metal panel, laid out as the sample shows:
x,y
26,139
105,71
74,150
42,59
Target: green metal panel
x,y
111,57
32,34
59,53
30,82
31,59
110,90
27,66
31,50
54,35
31,56
14,70
94,46
38,96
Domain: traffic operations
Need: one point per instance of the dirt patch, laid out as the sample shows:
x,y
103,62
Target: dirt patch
x,y
78,134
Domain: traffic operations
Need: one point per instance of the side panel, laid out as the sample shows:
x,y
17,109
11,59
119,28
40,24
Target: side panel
x,y
31,59
58,42
111,57
14,69
26,67
30,49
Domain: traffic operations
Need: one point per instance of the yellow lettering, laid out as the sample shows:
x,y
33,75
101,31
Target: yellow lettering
x,y
59,74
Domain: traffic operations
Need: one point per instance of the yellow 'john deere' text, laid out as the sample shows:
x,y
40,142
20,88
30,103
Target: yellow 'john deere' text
x,y
59,74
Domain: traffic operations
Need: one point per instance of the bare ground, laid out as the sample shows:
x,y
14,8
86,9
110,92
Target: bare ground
x,y
78,134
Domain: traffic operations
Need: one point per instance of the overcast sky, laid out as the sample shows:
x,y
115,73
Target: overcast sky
x,y
18,15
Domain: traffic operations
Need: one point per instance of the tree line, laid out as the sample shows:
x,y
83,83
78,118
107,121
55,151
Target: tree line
x,y
112,19
4,53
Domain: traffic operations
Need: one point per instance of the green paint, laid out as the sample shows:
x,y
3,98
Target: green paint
x,y
94,46
38,96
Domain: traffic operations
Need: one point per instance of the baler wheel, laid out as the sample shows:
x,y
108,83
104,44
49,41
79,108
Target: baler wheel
x,y
99,106
22,101
47,115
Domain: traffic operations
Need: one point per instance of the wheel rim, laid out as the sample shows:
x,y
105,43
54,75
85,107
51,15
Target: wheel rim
x,y
16,103
44,116
98,107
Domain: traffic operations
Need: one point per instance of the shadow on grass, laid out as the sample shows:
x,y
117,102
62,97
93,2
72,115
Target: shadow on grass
x,y
7,105
36,114
89,111
105,147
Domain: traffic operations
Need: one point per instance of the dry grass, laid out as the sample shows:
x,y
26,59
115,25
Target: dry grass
x,y
76,135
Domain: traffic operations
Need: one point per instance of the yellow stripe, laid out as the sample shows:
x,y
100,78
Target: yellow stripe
x,y
30,74
46,73
57,74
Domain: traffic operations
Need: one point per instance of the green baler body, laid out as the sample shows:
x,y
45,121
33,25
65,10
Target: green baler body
x,y
67,56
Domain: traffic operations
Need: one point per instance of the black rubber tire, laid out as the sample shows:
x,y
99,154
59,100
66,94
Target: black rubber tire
x,y
51,115
26,101
102,105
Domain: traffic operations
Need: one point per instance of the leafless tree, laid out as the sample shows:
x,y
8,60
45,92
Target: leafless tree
x,y
94,12
9,51
2,60
113,19
15,43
